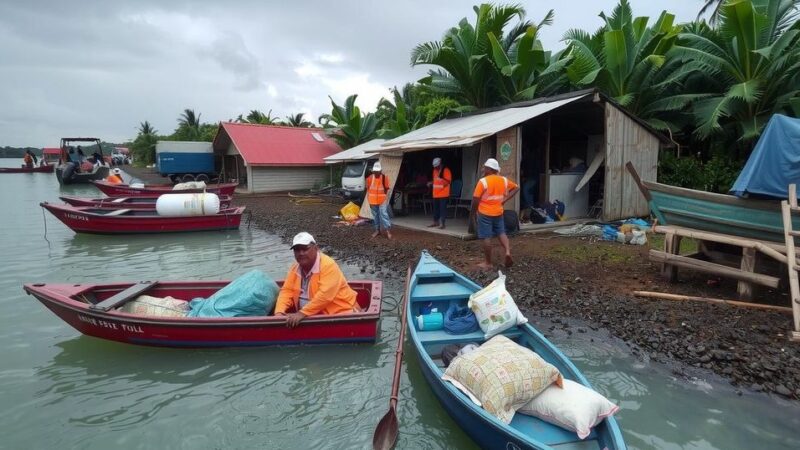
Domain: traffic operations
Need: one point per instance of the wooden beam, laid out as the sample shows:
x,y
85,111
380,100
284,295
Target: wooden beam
x,y
123,296
767,249
712,268
665,296
638,181
745,289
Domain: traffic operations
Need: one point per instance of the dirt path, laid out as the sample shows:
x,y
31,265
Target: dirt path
x,y
575,278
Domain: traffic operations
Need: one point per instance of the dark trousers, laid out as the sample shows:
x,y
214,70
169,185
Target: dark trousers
x,y
439,210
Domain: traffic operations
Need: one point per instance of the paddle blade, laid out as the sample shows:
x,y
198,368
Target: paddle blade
x,y
386,432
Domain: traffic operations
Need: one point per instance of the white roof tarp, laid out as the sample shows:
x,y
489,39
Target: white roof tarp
x,y
464,131
356,153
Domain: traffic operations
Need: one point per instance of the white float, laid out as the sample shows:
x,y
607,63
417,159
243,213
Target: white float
x,y
181,205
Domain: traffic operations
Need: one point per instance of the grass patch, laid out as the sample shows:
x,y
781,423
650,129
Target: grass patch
x,y
656,241
606,252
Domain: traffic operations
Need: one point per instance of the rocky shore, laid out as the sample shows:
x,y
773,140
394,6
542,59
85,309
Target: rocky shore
x,y
575,284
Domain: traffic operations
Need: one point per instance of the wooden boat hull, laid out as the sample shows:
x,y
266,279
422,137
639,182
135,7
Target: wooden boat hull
x,y
124,190
36,169
147,202
72,303
96,221
436,284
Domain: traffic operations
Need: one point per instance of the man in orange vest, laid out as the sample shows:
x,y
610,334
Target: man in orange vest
x,y
441,192
115,177
491,192
377,196
313,285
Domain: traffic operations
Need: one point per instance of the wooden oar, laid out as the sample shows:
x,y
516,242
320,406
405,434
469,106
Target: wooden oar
x,y
385,436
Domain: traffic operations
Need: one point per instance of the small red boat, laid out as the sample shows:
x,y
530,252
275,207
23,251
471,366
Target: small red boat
x,y
87,219
124,190
144,202
35,169
92,310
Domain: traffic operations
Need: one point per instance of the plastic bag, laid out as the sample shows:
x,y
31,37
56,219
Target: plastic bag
x,y
494,308
349,212
252,294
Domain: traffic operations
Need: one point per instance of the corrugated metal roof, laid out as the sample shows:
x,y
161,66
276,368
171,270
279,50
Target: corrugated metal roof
x,y
268,145
356,153
463,131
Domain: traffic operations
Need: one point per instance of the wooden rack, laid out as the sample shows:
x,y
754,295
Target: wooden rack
x,y
787,209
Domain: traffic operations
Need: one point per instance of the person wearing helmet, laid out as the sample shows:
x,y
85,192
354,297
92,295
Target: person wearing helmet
x,y
442,177
115,177
491,193
378,198
314,285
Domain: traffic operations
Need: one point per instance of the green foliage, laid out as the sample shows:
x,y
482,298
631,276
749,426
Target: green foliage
x,y
436,109
258,117
347,125
297,120
143,147
715,175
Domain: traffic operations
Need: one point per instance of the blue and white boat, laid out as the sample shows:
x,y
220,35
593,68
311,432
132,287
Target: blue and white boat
x,y
434,283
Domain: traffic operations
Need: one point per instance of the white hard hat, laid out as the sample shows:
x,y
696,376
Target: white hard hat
x,y
436,162
492,164
303,238
116,171
377,167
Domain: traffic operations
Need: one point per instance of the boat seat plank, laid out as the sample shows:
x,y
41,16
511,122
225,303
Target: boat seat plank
x,y
428,292
119,200
118,212
443,337
123,296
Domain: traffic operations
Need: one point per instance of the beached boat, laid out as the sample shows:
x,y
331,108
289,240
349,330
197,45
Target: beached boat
x,y
35,169
436,284
717,213
125,190
87,219
92,309
144,202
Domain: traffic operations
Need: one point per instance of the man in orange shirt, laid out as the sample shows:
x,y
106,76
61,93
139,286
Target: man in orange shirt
x,y
313,285
115,177
491,193
441,192
377,195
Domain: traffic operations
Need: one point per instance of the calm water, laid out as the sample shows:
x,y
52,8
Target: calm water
x,y
59,389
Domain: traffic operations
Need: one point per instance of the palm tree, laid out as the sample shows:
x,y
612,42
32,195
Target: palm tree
x,y
297,120
146,129
188,125
524,67
708,4
144,146
625,59
466,72
403,117
745,70
257,117
347,126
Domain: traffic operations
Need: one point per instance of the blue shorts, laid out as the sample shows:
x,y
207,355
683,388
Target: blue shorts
x,y
490,226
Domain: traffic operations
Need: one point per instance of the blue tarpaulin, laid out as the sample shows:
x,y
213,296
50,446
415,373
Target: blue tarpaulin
x,y
774,163
252,294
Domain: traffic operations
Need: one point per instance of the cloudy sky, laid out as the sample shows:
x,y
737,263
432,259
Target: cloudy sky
x,y
100,67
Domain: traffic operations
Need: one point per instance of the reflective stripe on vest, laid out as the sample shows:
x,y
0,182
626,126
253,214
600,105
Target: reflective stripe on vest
x,y
488,198
376,195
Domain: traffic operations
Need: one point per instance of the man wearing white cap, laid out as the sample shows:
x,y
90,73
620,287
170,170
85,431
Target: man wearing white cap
x,y
115,177
491,193
313,285
378,198
441,192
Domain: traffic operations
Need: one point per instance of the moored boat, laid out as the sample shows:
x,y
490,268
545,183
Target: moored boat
x,y
717,213
87,219
35,169
147,202
73,165
93,310
434,284
125,190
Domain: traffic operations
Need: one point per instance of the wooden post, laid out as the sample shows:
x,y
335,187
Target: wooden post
x,y
791,258
545,192
672,246
745,289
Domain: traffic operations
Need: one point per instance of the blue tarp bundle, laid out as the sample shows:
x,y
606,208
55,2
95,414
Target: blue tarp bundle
x,y
252,294
774,163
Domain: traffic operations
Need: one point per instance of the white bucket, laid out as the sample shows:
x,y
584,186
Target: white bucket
x,y
180,205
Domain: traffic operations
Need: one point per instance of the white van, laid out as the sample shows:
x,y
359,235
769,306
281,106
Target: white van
x,y
354,178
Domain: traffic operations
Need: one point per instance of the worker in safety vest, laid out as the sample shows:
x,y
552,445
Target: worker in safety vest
x,y
491,192
378,198
314,285
441,192
115,177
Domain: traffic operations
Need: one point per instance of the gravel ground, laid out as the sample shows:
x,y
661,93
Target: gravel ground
x,y
576,283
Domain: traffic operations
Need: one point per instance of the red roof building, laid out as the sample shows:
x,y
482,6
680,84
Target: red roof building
x,y
269,158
